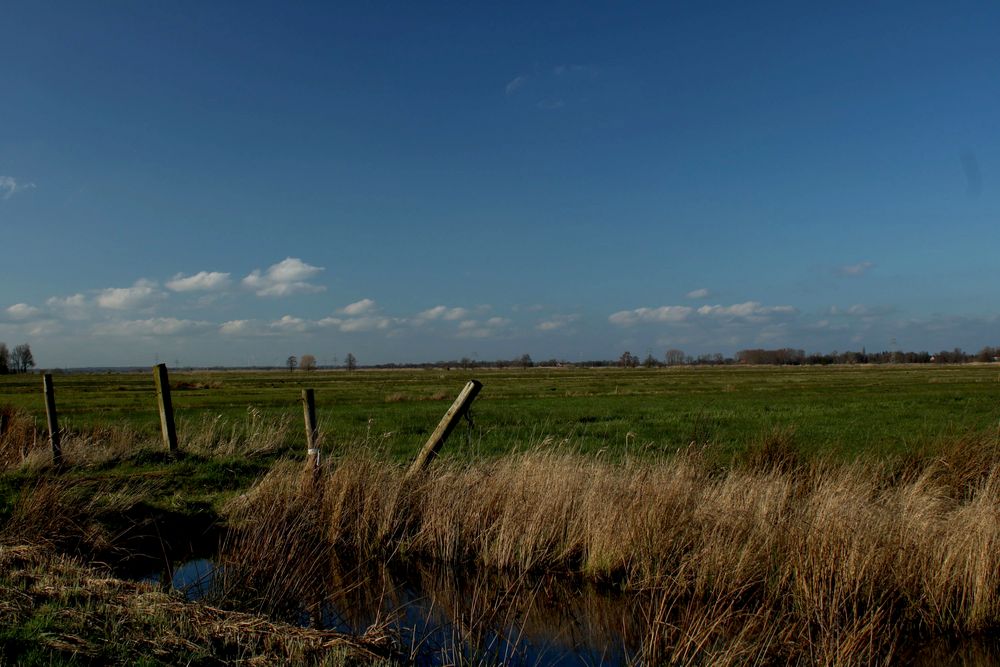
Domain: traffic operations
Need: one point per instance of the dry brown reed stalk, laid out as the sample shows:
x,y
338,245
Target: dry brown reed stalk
x,y
254,435
68,514
275,556
18,439
848,556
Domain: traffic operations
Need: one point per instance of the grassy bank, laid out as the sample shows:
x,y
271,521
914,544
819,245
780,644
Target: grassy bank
x,y
55,610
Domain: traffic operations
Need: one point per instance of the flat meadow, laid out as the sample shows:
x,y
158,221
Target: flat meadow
x,y
840,410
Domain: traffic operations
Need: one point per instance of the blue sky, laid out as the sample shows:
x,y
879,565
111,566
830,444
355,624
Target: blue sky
x,y
226,184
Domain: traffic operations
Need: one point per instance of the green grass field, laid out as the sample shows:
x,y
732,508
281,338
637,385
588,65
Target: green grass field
x,y
846,410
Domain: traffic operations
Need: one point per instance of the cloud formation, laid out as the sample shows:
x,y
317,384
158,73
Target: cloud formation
x,y
71,307
142,293
289,276
750,311
556,322
478,329
443,313
22,311
702,293
360,307
628,318
199,282
858,269
10,187
514,84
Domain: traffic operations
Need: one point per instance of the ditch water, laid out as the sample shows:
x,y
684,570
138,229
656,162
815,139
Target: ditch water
x,y
487,618
491,619
482,618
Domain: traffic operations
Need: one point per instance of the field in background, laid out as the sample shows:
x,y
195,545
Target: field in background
x,y
843,410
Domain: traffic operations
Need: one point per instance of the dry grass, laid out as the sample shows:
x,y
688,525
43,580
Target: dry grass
x,y
774,558
25,443
54,603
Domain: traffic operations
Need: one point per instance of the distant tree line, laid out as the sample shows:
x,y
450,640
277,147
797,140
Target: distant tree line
x,y
18,360
751,356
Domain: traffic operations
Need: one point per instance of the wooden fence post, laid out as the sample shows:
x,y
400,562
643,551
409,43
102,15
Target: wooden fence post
x,y
166,407
312,433
53,420
445,427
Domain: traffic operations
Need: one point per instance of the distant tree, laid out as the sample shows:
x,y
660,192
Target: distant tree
x,y
21,359
4,359
307,362
650,361
292,362
628,360
350,362
524,361
674,357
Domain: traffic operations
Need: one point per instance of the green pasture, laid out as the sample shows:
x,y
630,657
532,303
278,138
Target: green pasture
x,y
844,409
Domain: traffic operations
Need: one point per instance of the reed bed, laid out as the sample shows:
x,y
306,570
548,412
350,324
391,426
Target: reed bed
x,y
774,558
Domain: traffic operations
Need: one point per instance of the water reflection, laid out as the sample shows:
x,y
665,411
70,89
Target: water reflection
x,y
485,617
969,652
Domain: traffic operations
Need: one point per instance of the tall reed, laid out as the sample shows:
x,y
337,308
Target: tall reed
x,y
774,556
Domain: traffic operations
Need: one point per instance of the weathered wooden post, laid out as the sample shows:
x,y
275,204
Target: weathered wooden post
x,y
166,407
53,420
312,433
445,427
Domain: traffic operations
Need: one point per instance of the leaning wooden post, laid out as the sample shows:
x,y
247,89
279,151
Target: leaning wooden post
x,y
50,414
166,407
312,433
445,427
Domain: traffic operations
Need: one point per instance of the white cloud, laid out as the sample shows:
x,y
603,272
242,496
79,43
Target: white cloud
x,y
155,326
354,324
556,322
289,276
627,318
71,307
443,313
746,310
861,310
10,187
290,324
22,311
365,324
702,293
750,311
477,329
359,307
514,84
238,327
201,281
142,293
858,269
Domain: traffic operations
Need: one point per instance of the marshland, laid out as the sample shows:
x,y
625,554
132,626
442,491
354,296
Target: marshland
x,y
579,516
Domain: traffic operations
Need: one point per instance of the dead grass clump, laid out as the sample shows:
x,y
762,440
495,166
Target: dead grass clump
x,y
17,437
256,434
773,450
